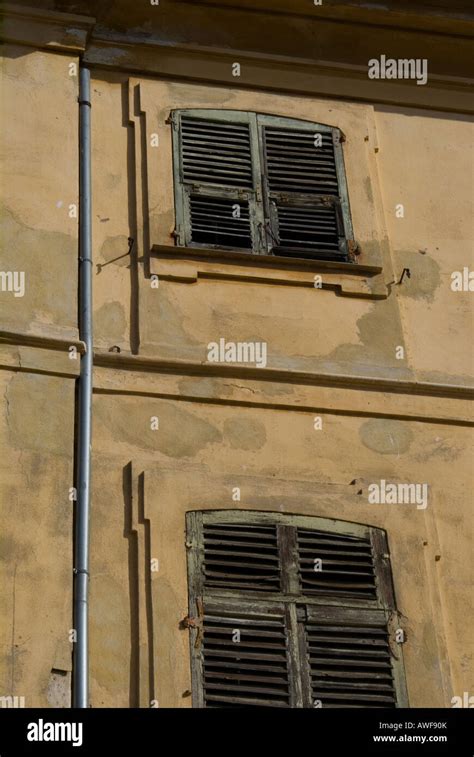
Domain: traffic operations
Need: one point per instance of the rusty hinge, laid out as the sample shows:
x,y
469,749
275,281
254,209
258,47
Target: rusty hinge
x,y
353,249
326,200
197,622
177,234
172,120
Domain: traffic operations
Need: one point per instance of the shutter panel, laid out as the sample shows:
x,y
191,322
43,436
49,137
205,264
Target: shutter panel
x,y
347,565
213,221
241,557
303,191
217,182
350,658
295,164
245,657
216,152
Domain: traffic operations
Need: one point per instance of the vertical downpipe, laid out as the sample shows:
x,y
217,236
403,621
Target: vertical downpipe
x,y
81,550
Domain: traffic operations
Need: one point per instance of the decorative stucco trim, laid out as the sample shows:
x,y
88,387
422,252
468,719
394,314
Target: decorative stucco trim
x,y
188,265
275,73
58,32
184,368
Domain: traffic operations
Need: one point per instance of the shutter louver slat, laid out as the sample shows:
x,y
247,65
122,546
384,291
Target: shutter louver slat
x,y
346,572
250,672
241,558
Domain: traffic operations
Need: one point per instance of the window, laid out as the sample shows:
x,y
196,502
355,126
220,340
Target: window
x,y
290,611
254,183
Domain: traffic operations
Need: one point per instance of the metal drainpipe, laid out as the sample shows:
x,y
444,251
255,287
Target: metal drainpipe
x,y
81,535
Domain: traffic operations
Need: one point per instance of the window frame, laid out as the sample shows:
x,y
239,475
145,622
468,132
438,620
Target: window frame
x,y
261,211
290,602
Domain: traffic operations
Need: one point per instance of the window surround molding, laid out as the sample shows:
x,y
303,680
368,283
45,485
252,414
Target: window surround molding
x,y
150,103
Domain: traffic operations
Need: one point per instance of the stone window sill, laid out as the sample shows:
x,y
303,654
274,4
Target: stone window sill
x,y
189,264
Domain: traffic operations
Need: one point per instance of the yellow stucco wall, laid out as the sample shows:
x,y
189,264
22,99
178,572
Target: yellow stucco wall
x,y
254,431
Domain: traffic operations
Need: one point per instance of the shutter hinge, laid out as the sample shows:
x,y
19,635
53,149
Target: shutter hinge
x,y
172,121
177,234
196,623
353,249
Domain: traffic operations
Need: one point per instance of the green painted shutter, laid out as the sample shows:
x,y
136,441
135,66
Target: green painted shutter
x,y
261,184
218,180
267,629
305,189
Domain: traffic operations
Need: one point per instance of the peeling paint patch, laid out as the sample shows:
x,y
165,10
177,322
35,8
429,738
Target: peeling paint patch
x,y
110,322
387,437
163,323
180,432
425,275
244,433
58,692
380,332
115,250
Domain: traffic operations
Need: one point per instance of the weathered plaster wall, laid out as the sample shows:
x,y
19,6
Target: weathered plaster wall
x,y
217,432
38,135
424,164
36,461
391,158
280,463
206,446
39,182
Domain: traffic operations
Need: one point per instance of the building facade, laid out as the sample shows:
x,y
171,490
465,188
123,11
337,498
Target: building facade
x,y
282,446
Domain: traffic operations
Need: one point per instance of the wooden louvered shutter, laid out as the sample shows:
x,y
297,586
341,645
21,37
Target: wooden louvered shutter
x,y
348,657
245,656
229,564
305,636
218,192
305,190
